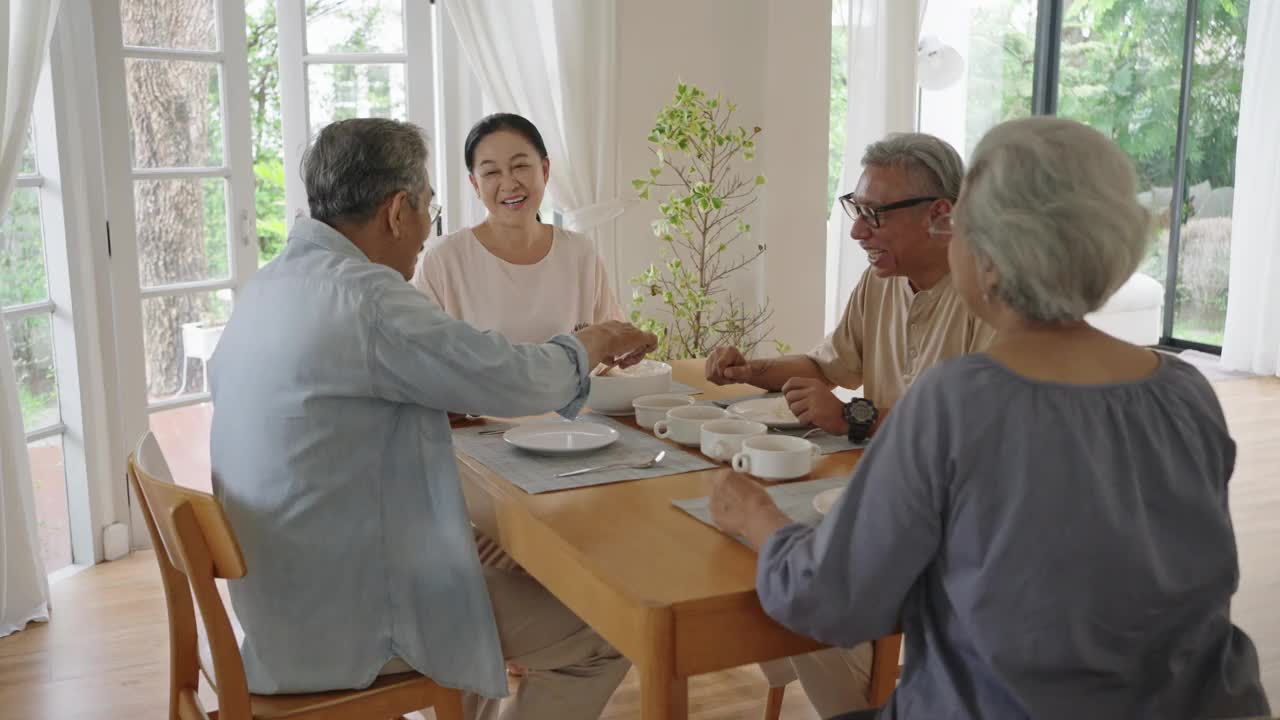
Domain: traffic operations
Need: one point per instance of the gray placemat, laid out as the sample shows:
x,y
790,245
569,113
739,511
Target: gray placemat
x,y
794,499
826,442
682,389
536,473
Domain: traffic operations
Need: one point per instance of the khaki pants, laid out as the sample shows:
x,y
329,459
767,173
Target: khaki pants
x,y
836,680
572,671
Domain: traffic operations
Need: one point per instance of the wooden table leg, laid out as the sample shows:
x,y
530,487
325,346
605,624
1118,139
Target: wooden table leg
x,y
663,696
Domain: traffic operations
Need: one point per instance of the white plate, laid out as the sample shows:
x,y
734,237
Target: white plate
x,y
616,413
770,411
825,500
561,438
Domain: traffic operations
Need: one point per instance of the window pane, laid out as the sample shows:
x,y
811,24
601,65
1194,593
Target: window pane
x,y
28,163
345,26
22,272
180,333
995,41
182,230
183,434
1120,73
31,342
340,92
1204,250
175,113
49,479
179,24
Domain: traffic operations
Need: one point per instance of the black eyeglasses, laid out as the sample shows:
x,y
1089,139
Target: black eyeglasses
x,y
871,213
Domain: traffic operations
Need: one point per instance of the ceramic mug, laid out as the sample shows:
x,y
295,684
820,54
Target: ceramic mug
x,y
776,457
652,408
684,424
722,438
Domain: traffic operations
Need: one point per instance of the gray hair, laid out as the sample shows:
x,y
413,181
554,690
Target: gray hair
x,y
932,161
352,166
1052,205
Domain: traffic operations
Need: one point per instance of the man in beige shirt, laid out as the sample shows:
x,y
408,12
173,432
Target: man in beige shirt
x,y
902,318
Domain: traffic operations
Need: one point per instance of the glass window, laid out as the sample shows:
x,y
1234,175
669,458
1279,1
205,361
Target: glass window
x,y
340,92
1204,246
175,113
23,278
182,230
181,332
172,24
355,26
996,42
31,344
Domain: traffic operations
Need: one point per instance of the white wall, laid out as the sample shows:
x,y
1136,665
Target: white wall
x,y
772,59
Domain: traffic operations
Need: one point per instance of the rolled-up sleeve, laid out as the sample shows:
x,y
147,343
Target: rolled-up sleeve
x,y
844,582
419,354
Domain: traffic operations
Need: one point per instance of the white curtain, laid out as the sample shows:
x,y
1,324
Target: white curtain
x,y
555,63
1252,338
882,99
25,28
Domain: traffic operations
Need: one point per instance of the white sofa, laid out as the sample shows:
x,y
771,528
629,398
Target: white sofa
x,y
1134,313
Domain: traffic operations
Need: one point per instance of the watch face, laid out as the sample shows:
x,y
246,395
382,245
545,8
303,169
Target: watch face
x,y
861,412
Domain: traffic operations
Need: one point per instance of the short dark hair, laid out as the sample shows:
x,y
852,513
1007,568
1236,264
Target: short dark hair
x,y
354,165
502,121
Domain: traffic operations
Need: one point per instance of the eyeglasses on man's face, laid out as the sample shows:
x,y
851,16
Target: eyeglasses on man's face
x,y
872,213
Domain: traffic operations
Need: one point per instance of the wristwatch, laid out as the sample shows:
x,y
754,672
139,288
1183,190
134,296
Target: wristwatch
x,y
860,415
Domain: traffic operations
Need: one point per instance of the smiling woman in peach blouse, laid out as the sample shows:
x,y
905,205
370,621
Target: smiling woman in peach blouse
x,y
513,273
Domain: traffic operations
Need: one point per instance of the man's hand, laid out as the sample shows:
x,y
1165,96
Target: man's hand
x,y
812,402
617,343
727,366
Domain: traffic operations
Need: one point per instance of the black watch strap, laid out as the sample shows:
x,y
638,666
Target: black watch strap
x,y
860,415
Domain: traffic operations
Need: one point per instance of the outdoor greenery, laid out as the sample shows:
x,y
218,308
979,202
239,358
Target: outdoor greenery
x,y
697,169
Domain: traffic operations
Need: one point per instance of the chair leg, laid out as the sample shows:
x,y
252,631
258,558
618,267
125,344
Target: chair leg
x,y
773,706
448,705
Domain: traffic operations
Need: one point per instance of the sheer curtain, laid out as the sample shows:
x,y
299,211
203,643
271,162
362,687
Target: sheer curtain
x,y
1252,338
555,63
25,28
882,99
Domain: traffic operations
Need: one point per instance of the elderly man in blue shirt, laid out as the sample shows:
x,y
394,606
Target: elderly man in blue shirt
x,y
332,455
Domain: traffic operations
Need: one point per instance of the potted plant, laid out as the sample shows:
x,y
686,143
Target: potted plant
x,y
698,155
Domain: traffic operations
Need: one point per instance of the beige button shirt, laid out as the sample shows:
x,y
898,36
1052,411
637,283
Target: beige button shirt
x,y
890,334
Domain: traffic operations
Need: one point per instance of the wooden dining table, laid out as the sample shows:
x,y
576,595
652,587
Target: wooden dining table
x,y
673,595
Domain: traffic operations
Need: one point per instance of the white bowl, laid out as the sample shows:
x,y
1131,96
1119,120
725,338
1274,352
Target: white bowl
x,y
614,391
652,408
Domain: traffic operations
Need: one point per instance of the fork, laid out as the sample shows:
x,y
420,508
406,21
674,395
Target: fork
x,y
804,436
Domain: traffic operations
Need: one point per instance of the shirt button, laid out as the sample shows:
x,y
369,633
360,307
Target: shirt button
x,y
913,352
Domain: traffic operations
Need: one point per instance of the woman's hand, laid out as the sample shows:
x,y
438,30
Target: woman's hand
x,y
616,343
741,507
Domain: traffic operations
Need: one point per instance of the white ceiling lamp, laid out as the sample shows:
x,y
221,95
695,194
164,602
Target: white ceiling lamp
x,y
938,65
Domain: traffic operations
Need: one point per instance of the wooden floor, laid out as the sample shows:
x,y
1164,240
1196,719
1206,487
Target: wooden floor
x,y
105,655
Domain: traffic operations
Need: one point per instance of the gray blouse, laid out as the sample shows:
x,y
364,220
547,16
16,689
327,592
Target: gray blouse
x,y
1052,551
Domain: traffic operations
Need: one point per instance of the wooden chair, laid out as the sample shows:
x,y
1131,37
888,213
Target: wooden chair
x,y
194,544
885,654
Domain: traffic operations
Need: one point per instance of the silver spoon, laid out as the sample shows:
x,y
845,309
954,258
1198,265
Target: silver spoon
x,y
617,466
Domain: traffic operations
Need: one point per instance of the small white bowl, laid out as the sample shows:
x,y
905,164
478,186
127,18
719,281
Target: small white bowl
x,y
652,408
613,391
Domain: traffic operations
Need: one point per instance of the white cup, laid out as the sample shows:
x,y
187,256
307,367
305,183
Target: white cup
x,y
652,408
776,457
722,438
684,424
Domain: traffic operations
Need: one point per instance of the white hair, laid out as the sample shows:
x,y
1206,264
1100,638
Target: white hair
x,y
1052,205
936,166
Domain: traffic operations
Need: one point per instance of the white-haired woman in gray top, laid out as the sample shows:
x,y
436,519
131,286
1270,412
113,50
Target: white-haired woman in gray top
x,y
1048,520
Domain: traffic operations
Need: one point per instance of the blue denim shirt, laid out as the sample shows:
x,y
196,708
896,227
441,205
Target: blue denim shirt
x,y
332,455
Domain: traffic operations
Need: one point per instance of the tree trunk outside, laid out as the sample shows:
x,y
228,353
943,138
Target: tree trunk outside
x,y
169,106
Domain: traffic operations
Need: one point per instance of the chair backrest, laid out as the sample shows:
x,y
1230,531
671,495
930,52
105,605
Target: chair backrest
x,y
150,457
194,544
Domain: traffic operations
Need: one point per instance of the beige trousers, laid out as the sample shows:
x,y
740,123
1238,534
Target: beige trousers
x,y
835,679
571,671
